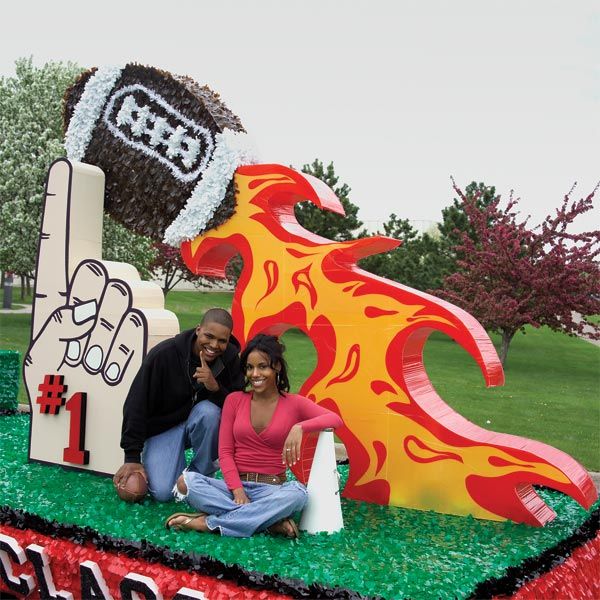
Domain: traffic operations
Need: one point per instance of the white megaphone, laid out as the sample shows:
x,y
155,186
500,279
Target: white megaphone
x,y
323,511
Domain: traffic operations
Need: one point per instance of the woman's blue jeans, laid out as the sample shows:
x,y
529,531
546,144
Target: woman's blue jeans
x,y
268,504
163,456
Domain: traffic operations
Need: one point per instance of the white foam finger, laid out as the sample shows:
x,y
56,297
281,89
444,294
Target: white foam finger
x,y
115,303
51,266
127,350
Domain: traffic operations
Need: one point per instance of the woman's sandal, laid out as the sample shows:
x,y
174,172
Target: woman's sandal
x,y
286,527
183,526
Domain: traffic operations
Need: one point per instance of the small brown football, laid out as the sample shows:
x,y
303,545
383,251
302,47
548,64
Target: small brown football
x,y
134,489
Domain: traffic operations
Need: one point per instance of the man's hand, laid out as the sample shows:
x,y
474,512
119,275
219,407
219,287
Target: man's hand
x,y
122,475
204,375
239,496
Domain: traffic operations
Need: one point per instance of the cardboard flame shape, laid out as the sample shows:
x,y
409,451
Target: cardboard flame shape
x,y
406,447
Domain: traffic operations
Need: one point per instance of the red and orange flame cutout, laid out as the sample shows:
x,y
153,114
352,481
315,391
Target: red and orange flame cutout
x,y
406,447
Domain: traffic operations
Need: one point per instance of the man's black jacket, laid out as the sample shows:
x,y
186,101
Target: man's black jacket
x,y
163,391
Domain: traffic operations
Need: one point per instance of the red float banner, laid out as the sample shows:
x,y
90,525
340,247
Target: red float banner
x,y
35,566
577,577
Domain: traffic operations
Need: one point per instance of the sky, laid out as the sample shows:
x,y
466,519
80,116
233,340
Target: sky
x,y
400,95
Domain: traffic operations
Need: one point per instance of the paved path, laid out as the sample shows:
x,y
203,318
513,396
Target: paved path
x,y
14,311
586,330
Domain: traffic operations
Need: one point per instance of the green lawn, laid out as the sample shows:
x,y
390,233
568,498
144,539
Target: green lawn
x,y
552,390
551,394
14,335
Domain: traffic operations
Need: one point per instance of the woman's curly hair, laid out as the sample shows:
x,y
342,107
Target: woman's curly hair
x,y
274,349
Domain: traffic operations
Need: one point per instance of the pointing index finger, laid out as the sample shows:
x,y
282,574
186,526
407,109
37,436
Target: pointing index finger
x,y
202,363
71,231
51,267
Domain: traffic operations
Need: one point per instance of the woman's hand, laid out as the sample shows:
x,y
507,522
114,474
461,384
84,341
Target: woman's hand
x,y
239,496
291,447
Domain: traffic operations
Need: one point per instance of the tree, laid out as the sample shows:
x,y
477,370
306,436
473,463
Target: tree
x,y
234,268
510,275
18,243
30,140
416,263
169,267
455,222
121,245
424,259
323,222
454,217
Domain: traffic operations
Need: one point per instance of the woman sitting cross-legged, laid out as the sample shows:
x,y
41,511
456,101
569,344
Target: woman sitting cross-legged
x,y
260,435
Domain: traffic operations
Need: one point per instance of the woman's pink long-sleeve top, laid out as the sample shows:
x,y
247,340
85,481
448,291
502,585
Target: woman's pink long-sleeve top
x,y
242,450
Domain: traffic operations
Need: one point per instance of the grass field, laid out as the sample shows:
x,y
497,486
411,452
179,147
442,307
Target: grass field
x,y
552,390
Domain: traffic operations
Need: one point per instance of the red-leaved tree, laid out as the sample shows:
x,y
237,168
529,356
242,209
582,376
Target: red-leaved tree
x,y
510,275
168,266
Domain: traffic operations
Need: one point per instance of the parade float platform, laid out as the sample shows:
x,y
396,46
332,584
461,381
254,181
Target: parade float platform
x,y
88,535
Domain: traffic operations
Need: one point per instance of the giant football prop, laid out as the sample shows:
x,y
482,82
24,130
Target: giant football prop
x,y
178,167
